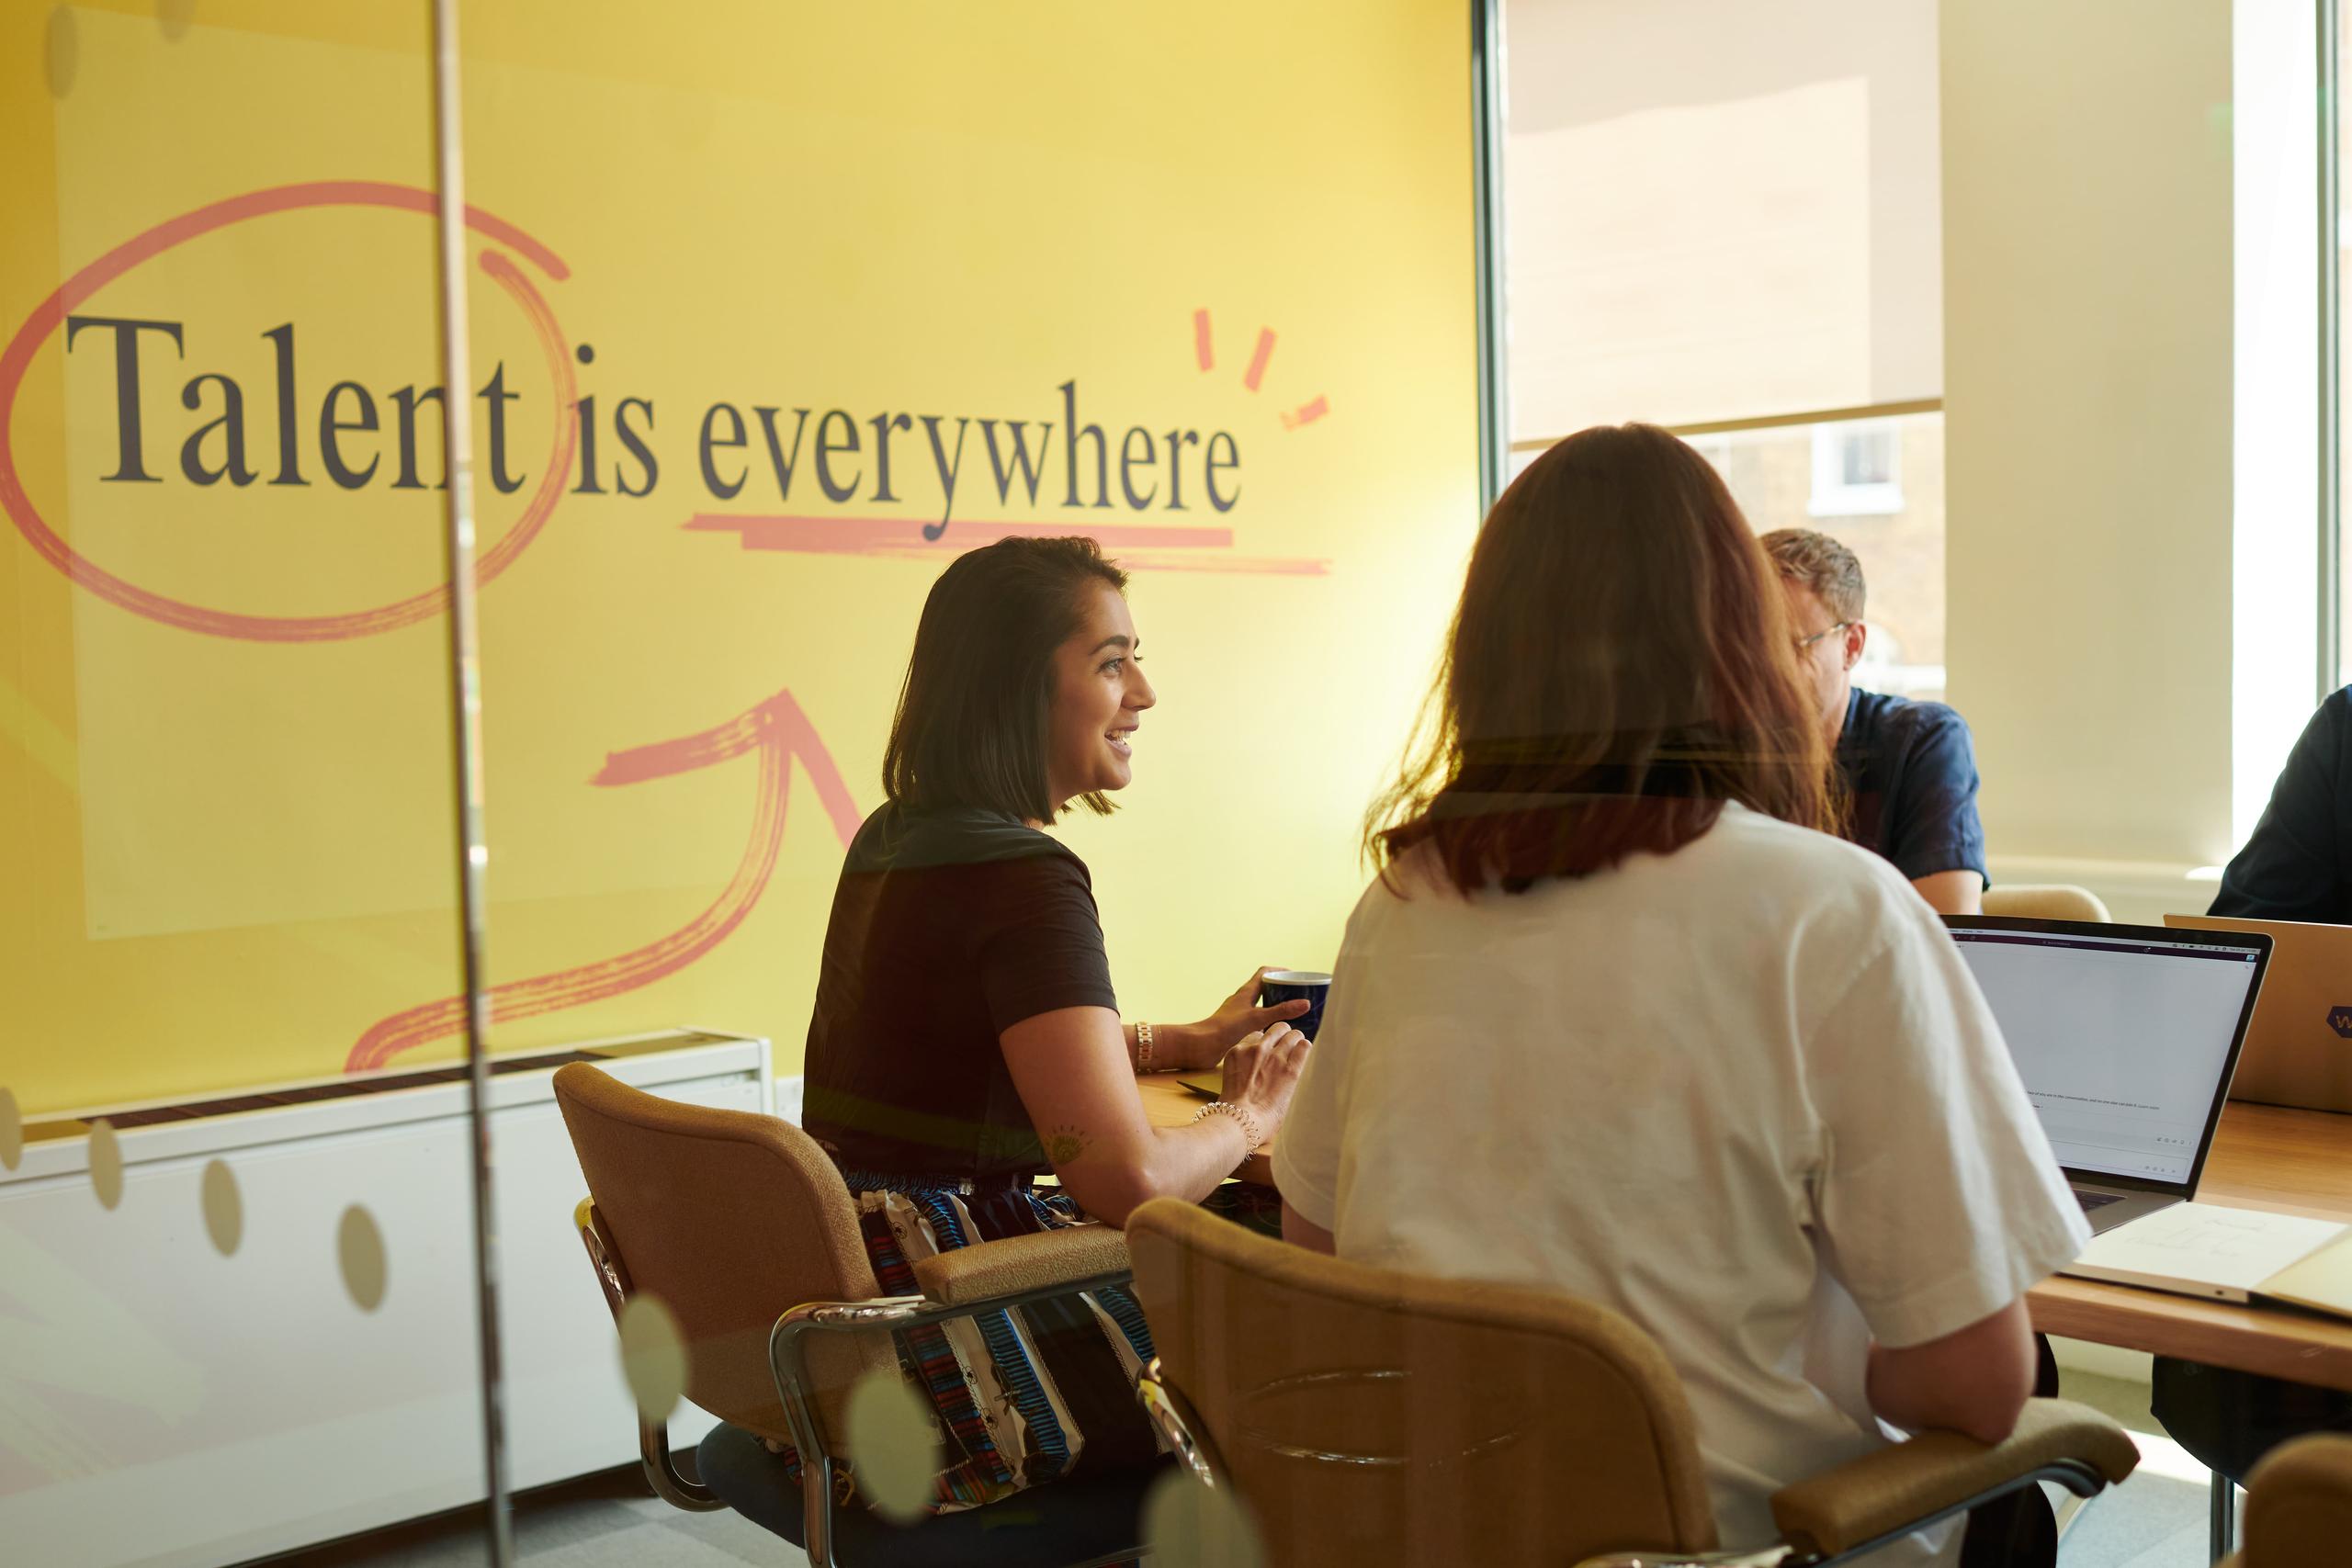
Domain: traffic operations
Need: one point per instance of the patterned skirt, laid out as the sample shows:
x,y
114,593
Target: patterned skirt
x,y
1021,1398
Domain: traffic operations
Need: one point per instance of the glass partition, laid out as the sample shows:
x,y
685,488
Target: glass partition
x,y
234,1283
814,301
771,313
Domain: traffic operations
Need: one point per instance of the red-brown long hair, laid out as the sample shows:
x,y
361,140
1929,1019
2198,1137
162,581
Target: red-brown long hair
x,y
1619,667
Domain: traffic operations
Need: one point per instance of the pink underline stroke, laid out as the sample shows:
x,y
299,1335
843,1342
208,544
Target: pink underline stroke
x,y
903,535
1244,566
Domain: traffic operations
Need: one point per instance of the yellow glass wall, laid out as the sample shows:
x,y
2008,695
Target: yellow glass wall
x,y
774,309
837,286
227,745
225,786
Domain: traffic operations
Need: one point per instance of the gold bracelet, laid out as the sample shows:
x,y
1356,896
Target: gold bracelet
x,y
1248,1122
1143,1049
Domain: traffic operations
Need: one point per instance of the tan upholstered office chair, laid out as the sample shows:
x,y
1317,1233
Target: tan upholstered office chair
x,y
2046,901
743,1227
2299,1504
1366,1416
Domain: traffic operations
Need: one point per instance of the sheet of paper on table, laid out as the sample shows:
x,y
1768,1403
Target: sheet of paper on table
x,y
2204,1249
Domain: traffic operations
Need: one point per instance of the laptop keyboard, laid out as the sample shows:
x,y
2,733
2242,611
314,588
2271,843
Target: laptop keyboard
x,y
2090,1201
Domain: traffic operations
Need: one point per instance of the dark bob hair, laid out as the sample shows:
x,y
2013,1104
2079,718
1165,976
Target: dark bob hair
x,y
975,709
1620,666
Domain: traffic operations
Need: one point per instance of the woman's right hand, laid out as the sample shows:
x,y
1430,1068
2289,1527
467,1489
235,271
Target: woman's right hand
x,y
1261,1072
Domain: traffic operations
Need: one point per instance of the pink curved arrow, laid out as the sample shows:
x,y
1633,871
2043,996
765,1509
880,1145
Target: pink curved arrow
x,y
776,731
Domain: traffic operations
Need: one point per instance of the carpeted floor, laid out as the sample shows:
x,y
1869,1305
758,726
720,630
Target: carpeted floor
x,y
2156,1519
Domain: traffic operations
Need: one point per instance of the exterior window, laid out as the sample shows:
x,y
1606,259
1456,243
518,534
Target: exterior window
x,y
1735,252
1857,470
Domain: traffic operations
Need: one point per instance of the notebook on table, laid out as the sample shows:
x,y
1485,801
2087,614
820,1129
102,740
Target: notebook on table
x,y
2322,1281
2228,1255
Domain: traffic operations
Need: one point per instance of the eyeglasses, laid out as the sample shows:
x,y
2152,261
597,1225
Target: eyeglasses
x,y
1803,643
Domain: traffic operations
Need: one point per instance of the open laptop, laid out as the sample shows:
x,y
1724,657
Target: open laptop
x,y
2125,1037
2299,1052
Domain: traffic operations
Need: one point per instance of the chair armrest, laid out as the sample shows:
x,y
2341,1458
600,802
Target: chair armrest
x,y
1021,1264
988,1276
1911,1485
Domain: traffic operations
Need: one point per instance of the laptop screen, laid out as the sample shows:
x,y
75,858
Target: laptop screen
x,y
2124,1035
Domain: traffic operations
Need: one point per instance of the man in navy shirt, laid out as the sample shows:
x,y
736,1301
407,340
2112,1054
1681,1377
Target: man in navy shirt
x,y
2298,865
1910,768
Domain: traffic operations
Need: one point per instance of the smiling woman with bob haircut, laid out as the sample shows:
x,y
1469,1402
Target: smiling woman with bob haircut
x,y
965,1037
1616,1019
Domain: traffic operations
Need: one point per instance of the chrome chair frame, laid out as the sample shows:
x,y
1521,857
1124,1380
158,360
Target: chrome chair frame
x,y
1173,1416
787,1359
653,1453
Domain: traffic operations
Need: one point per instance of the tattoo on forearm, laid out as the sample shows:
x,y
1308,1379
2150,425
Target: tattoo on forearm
x,y
1065,1144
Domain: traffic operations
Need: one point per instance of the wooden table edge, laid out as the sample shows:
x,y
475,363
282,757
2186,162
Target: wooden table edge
x,y
2273,1340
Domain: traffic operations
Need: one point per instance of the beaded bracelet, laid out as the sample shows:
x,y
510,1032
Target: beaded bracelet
x,y
1248,1122
1143,1048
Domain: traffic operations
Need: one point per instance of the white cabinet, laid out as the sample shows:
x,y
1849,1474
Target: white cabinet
x,y
166,1407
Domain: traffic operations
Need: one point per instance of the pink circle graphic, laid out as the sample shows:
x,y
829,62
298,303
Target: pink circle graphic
x,y
50,315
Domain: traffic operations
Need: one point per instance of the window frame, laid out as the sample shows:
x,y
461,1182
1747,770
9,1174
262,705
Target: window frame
x,y
2331,673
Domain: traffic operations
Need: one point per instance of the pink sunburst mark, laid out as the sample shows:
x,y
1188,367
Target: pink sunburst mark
x,y
1307,413
1265,351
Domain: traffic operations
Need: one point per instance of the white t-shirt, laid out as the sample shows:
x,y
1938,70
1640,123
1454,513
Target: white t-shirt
x,y
1745,1094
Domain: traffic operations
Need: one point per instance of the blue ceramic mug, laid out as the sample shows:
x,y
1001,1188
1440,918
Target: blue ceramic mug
x,y
1287,985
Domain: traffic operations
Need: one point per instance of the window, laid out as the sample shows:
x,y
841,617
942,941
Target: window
x,y
2338,69
1857,470
1777,475
1745,246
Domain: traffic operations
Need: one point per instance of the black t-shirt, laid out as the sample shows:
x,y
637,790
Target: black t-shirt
x,y
1912,771
950,926
2298,865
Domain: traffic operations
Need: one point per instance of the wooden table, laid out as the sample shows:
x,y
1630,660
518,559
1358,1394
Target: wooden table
x,y
2298,1162
1170,1104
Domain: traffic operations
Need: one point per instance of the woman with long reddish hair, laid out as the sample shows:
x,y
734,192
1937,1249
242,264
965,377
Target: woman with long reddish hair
x,y
1617,1018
